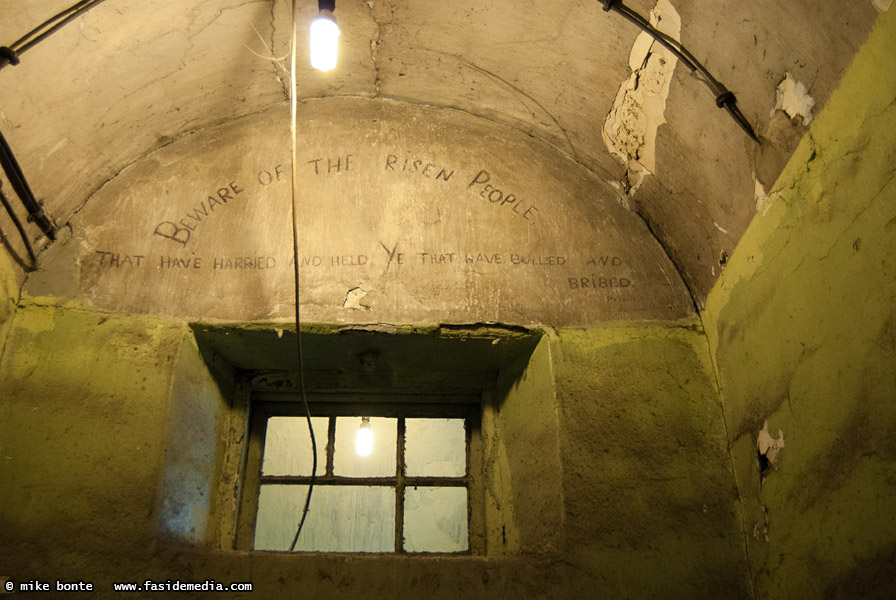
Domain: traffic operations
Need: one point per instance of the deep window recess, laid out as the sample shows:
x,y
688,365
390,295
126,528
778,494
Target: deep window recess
x,y
410,493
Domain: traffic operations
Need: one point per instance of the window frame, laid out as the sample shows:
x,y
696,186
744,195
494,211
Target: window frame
x,y
400,406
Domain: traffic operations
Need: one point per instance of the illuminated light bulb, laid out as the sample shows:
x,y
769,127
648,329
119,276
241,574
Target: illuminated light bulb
x,y
324,41
364,439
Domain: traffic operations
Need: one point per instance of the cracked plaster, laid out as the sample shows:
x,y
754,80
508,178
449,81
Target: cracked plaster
x,y
768,446
143,75
629,130
801,330
478,259
792,97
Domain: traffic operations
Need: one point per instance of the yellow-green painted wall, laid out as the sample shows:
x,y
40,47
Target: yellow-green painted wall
x,y
9,295
651,506
802,331
84,410
616,479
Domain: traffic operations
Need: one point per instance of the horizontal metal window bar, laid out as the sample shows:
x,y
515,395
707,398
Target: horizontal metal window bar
x,y
366,399
394,410
362,481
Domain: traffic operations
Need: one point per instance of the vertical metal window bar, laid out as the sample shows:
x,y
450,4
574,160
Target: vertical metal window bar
x,y
399,481
399,488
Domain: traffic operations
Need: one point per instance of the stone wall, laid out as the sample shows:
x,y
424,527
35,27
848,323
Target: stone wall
x,y
651,506
802,331
9,295
609,456
406,214
610,469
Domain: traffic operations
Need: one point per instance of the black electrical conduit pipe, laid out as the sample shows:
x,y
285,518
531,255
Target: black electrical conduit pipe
x,y
724,98
18,224
10,55
17,179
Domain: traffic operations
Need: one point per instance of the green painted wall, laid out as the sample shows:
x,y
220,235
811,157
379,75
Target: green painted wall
x,y
802,331
191,472
611,441
651,506
9,295
82,422
524,499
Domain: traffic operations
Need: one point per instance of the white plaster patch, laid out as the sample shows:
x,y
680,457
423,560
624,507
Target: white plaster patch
x,y
793,97
882,5
719,227
353,298
630,128
769,446
763,201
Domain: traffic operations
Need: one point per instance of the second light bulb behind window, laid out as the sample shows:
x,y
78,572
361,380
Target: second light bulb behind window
x,y
364,438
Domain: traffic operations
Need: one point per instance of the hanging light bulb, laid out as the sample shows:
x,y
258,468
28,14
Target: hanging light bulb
x,y
364,439
324,37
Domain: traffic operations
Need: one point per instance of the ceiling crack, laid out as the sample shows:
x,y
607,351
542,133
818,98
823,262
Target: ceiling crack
x,y
672,259
374,49
283,79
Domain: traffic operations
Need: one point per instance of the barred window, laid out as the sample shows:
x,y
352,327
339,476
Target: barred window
x,y
409,492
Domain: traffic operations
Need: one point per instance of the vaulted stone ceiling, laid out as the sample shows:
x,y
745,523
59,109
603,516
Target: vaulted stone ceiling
x,y
132,76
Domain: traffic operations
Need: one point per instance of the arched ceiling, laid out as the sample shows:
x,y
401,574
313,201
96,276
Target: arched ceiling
x,y
132,76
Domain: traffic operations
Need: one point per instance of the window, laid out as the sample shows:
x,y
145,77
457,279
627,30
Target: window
x,y
415,491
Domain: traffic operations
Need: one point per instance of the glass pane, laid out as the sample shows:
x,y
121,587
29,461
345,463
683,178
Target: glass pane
x,y
435,448
340,518
287,446
435,519
380,463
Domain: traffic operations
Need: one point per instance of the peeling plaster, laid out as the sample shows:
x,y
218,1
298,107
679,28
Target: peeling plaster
x,y
793,98
630,128
353,298
375,44
768,446
763,200
882,5
760,530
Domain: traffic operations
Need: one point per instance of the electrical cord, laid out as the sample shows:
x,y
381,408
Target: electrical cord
x,y
20,185
10,55
724,98
18,224
295,251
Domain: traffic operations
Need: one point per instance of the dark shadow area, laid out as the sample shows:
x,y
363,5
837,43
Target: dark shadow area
x,y
448,359
14,254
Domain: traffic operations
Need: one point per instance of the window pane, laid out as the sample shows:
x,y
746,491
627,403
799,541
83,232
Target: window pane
x,y
380,463
287,446
435,519
340,518
435,448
